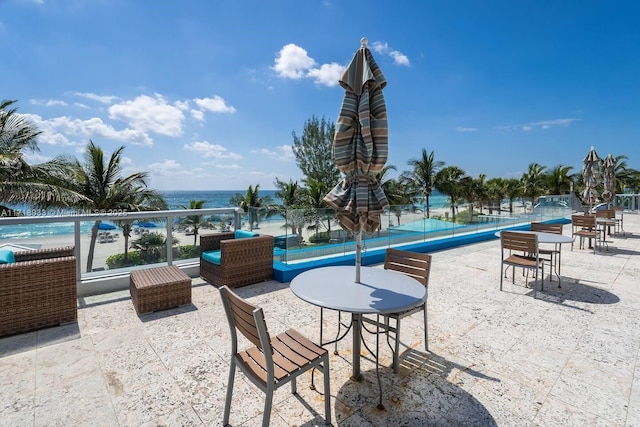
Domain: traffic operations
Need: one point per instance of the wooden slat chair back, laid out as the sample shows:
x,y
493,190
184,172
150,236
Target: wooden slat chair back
x,y
272,361
520,250
584,227
551,255
416,265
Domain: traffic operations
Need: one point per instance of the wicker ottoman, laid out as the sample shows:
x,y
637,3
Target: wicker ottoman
x,y
159,288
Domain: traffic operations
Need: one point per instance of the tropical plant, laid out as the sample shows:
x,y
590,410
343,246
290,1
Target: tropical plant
x,y
21,182
101,183
194,222
449,181
558,180
532,182
253,204
151,245
422,177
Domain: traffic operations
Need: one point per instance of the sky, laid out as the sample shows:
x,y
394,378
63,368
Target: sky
x,y
206,94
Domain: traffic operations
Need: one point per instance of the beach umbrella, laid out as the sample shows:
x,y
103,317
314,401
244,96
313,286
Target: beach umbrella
x,y
146,224
104,226
591,176
360,148
609,178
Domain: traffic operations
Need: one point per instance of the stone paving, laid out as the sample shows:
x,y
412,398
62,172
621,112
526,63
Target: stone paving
x,y
570,357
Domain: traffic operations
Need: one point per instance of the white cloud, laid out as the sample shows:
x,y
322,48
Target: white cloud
x,y
527,128
197,115
545,124
215,105
398,57
464,129
327,74
48,103
292,62
145,113
56,131
206,150
281,153
167,168
100,98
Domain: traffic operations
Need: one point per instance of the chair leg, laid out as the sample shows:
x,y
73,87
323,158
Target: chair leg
x,y
227,403
268,400
294,386
396,353
426,329
327,391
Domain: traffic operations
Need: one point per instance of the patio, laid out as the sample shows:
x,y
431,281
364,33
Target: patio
x,y
569,357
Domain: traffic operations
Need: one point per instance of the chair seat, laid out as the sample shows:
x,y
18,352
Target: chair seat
x,y
292,354
521,261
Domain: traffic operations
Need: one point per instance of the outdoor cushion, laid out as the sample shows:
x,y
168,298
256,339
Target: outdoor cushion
x,y
6,257
241,234
212,256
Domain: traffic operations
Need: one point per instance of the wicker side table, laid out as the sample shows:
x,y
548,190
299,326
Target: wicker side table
x,y
159,288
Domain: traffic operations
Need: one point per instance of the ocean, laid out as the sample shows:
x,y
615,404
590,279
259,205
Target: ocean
x,y
175,199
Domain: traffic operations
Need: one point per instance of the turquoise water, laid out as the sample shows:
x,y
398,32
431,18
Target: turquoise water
x,y
427,225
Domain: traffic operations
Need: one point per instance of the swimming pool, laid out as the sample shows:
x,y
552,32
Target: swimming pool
x,y
426,225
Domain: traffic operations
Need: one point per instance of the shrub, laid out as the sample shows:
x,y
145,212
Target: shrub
x,y
117,261
322,237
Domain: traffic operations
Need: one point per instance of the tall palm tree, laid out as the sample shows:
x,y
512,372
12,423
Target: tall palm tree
x,y
449,181
194,221
422,177
99,180
21,182
532,182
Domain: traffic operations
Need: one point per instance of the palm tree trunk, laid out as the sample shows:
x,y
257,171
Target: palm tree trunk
x,y
92,246
428,211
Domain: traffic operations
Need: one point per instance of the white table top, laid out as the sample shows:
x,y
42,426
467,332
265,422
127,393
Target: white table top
x,y
379,291
545,237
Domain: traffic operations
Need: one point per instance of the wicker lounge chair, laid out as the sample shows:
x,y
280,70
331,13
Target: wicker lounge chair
x,y
38,290
242,261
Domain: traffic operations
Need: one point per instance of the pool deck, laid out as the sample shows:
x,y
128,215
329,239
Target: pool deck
x,y
570,357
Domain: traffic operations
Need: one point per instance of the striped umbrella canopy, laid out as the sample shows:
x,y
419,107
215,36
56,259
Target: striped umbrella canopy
x,y
360,145
609,177
591,176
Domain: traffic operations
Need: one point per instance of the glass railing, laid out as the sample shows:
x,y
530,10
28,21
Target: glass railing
x,y
129,240
304,234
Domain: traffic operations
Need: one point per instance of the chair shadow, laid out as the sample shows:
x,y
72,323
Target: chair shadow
x,y
576,290
422,393
26,341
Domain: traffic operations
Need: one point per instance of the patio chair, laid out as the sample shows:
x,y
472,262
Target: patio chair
x,y
619,218
236,258
38,290
520,250
272,361
550,255
418,266
584,227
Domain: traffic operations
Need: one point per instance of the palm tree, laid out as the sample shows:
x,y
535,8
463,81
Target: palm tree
x,y
99,180
21,182
140,198
422,177
449,181
532,182
558,180
253,204
194,221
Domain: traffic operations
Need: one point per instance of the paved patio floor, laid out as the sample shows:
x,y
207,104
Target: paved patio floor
x,y
570,357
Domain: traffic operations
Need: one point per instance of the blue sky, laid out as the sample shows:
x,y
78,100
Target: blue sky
x,y
205,94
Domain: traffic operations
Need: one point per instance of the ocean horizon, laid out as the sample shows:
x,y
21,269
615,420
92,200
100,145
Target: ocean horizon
x,y
175,200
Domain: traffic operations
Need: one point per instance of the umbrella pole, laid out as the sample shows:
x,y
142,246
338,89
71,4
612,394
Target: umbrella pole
x,y
358,251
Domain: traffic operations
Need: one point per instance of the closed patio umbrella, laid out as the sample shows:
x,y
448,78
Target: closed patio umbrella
x,y
105,226
360,148
591,176
609,176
